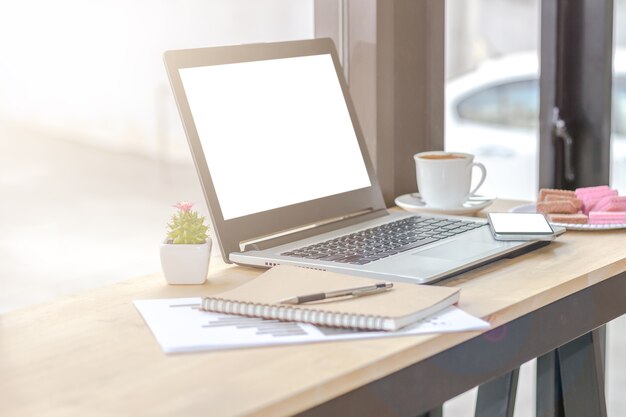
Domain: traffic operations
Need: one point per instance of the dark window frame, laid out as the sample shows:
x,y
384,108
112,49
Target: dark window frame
x,y
576,78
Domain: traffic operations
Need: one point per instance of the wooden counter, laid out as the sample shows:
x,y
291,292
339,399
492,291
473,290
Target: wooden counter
x,y
92,354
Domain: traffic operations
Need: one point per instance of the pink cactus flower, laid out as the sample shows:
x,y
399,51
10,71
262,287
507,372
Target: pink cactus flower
x,y
184,206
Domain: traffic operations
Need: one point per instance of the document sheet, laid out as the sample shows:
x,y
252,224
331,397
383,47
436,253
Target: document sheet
x,y
179,326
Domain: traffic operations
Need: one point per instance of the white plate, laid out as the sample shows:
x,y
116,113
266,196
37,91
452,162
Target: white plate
x,y
531,208
414,202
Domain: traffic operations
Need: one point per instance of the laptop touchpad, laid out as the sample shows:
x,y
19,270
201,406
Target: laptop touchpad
x,y
458,250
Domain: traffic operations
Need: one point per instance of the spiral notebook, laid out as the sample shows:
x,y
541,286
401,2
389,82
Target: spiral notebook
x,y
390,310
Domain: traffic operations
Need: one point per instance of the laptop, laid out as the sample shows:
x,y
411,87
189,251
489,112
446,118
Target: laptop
x,y
286,174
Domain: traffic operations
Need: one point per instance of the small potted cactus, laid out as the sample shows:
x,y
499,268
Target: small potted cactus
x,y
186,252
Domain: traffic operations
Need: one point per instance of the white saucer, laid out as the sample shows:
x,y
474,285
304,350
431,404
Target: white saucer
x,y
414,202
532,208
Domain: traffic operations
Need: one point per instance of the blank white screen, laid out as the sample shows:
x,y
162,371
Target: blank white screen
x,y
519,223
274,132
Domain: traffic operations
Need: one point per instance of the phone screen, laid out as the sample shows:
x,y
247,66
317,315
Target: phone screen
x,y
520,223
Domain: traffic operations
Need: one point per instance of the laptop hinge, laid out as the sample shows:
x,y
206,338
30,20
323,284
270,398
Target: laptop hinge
x,y
309,230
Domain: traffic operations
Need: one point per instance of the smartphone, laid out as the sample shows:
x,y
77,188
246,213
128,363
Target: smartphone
x,y
520,226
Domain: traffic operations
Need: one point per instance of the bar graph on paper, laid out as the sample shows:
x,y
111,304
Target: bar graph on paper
x,y
180,326
274,328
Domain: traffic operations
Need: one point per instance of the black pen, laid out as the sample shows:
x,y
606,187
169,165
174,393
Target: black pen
x,y
354,292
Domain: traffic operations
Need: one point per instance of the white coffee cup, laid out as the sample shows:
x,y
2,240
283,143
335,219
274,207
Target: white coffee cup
x,y
444,178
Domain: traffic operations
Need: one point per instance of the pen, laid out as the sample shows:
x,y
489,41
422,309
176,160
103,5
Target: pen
x,y
354,292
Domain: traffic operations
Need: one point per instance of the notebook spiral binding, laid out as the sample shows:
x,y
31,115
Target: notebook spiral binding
x,y
290,313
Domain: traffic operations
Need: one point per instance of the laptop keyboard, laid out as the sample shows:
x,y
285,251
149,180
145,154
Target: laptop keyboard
x,y
380,242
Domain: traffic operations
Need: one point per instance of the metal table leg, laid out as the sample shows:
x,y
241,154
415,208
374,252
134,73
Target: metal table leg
x,y
437,412
570,380
496,398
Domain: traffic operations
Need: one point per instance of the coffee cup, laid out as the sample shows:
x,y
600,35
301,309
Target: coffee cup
x,y
444,178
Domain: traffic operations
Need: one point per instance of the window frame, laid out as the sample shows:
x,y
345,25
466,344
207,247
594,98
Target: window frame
x,y
393,54
576,78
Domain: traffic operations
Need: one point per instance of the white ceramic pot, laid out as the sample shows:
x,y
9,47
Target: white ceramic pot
x,y
185,264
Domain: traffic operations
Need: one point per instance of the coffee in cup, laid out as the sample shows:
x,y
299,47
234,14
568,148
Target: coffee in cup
x,y
442,156
444,178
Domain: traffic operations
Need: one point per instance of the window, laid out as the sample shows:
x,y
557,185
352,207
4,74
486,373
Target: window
x,y
619,107
618,114
492,91
92,151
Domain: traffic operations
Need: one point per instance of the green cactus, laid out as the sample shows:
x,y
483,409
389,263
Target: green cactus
x,y
186,226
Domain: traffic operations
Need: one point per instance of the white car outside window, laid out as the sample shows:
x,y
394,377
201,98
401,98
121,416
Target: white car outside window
x,y
493,113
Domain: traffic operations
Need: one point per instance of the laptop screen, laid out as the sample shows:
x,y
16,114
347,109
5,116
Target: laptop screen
x,y
274,132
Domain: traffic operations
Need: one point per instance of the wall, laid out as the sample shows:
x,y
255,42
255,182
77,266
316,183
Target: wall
x,y
93,72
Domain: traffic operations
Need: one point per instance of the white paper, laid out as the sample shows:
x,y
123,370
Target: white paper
x,y
179,326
